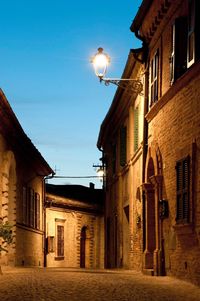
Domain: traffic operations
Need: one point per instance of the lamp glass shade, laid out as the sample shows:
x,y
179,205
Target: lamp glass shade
x,y
100,172
100,63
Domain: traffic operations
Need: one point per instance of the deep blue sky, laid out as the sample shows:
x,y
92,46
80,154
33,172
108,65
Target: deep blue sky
x,y
45,73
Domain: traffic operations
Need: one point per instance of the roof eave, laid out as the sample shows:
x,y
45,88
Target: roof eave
x,y
142,11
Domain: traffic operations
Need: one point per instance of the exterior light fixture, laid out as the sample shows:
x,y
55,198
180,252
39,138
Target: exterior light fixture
x,y
101,172
100,63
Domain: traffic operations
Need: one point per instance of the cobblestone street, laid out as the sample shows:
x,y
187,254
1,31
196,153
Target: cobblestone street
x,y
78,285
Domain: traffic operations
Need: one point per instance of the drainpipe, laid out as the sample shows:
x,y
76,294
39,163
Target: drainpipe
x,y
144,49
145,128
44,210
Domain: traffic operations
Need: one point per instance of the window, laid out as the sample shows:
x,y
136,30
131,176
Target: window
x,y
193,43
31,200
24,205
37,211
182,190
60,241
30,208
154,79
191,34
178,60
136,129
123,141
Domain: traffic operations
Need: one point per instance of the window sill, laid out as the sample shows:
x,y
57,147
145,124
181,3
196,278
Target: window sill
x,y
59,258
184,229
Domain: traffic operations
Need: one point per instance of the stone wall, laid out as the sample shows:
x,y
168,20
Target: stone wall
x,y
73,222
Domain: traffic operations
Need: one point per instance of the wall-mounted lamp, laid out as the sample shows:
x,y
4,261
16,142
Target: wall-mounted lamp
x,y
100,63
101,171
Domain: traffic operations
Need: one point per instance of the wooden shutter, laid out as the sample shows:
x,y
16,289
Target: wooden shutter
x,y
183,188
123,139
32,207
24,206
37,211
60,240
136,129
28,207
179,191
186,177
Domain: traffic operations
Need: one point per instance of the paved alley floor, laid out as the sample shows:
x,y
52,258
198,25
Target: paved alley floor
x,y
60,284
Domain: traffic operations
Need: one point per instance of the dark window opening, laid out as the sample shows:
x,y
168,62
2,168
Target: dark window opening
x,y
60,241
178,59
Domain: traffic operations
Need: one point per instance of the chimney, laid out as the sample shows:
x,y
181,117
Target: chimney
x,y
91,185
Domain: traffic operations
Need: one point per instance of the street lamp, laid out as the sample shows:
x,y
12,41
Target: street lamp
x,y
101,171
100,63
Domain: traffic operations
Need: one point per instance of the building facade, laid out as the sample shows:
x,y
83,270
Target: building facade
x,y
74,226
21,191
168,181
120,138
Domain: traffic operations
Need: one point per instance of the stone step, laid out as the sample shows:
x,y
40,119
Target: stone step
x,y
149,272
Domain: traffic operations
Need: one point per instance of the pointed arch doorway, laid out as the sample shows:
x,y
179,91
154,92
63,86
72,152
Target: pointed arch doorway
x,y
152,232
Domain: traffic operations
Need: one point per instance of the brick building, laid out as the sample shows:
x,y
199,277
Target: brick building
x,y
21,191
121,137
74,226
165,181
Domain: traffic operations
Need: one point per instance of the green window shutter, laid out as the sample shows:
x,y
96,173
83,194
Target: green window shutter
x,y
136,129
123,141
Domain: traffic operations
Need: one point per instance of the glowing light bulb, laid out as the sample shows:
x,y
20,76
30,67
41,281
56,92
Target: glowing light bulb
x,y
100,63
